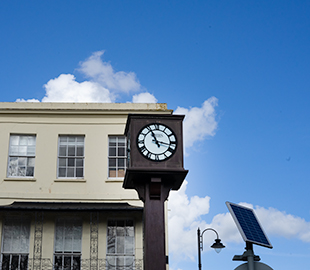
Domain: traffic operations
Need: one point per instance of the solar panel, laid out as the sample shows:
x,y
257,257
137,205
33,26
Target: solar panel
x,y
248,225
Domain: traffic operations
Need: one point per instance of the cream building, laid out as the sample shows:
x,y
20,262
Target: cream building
x,y
62,205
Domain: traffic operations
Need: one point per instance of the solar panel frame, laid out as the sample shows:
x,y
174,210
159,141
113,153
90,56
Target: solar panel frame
x,y
248,225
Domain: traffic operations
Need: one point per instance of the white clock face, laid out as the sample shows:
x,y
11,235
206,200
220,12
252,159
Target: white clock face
x,y
157,142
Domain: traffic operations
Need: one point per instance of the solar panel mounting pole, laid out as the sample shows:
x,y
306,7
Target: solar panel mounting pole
x,y
250,255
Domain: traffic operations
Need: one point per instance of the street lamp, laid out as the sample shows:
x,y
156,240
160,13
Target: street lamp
x,y
217,245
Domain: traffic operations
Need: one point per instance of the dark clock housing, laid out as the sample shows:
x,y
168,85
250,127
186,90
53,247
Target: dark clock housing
x,y
139,165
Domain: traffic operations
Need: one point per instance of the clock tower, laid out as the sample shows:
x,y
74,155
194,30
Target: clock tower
x,y
154,167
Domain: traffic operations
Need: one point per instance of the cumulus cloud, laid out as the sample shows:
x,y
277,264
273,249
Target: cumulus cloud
x,y
66,89
144,98
102,84
103,73
199,122
28,100
184,217
280,223
276,223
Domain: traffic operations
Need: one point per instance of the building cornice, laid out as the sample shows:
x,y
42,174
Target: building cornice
x,y
81,108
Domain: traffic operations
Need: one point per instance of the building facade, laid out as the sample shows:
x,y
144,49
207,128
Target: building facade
x,y
62,205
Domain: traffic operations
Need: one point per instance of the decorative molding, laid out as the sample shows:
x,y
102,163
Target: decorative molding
x,y
38,235
94,222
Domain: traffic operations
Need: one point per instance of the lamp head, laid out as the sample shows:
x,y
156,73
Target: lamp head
x,y
218,245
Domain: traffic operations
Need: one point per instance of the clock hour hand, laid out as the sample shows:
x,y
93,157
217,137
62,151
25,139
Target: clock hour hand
x,y
163,143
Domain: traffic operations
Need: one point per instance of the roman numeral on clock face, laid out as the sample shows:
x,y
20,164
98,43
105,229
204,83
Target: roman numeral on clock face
x,y
156,142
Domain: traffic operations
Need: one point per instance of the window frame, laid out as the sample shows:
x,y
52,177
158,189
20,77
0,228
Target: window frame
x,y
67,157
13,221
78,222
20,156
119,255
117,157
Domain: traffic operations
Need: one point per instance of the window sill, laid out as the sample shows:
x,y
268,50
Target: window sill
x,y
71,180
23,179
115,179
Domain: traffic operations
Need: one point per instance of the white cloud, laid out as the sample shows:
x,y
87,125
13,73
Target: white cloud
x,y
184,223
184,217
103,73
144,98
199,122
28,100
66,89
281,224
103,84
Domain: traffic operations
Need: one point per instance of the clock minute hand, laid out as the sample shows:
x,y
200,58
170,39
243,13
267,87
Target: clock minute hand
x,y
155,139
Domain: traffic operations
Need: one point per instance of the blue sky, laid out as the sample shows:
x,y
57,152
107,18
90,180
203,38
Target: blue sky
x,y
239,67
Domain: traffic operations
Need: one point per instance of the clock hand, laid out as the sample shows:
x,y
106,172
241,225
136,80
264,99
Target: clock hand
x,y
164,143
161,143
155,139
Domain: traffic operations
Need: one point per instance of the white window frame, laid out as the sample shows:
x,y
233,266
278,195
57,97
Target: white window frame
x,y
116,256
22,152
64,160
15,254
65,254
120,160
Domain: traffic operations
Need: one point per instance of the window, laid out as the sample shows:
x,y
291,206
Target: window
x,y
21,156
15,244
71,157
120,245
117,156
68,244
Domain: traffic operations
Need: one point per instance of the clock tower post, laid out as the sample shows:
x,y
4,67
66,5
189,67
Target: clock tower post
x,y
154,167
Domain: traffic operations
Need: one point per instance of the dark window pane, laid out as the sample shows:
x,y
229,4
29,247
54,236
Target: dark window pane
x,y
129,223
62,172
112,152
70,172
71,162
121,139
62,151
79,162
120,223
80,151
79,172
71,150
121,162
63,139
62,162
112,141
30,171
71,139
58,262
67,263
76,263
24,262
14,263
121,152
111,223
112,162
80,139
5,262
121,144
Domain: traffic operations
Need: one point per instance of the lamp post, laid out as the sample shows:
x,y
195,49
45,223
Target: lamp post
x,y
217,245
